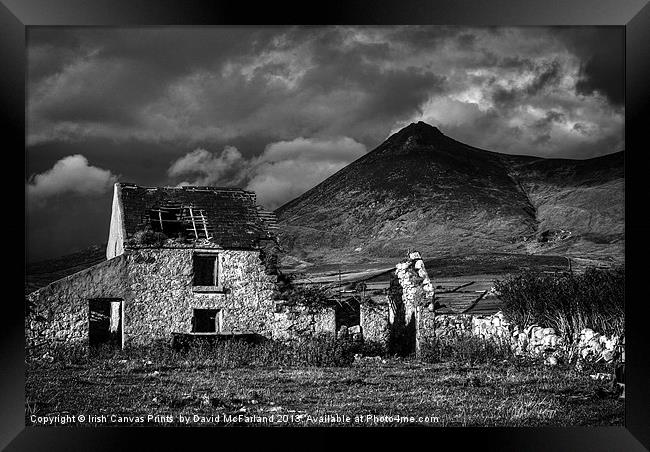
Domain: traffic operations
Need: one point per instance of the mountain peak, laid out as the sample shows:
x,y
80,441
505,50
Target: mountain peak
x,y
421,125
415,135
420,132
421,189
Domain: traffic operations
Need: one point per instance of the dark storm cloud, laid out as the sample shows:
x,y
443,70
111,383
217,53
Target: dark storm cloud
x,y
605,74
466,41
234,105
192,85
541,129
515,62
550,118
547,76
216,84
544,76
106,76
602,53
427,38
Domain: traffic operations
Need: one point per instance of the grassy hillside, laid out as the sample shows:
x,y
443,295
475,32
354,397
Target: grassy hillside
x,y
583,198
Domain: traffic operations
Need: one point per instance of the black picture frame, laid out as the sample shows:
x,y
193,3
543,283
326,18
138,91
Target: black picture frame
x,y
634,15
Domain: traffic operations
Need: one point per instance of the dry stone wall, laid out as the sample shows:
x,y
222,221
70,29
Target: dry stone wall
x,y
417,297
533,340
417,289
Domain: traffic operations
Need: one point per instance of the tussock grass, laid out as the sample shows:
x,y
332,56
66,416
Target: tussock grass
x,y
455,394
318,351
465,349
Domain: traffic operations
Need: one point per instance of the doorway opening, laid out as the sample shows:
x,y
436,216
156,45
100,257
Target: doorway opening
x,y
347,313
105,322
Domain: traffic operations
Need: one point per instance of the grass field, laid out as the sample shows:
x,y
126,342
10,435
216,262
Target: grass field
x,y
511,393
277,385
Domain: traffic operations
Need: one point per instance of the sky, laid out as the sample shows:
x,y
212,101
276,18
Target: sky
x,y
279,109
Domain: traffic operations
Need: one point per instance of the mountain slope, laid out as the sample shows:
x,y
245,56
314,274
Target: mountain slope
x,y
584,198
39,274
423,190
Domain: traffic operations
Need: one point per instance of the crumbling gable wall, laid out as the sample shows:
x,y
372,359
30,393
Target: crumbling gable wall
x,y
115,244
403,316
58,313
412,298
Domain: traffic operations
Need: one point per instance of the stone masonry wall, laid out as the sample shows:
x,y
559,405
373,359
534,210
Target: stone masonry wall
x,y
164,299
417,296
291,322
59,312
374,321
533,340
159,298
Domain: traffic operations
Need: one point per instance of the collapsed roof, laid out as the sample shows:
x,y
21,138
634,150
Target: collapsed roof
x,y
225,217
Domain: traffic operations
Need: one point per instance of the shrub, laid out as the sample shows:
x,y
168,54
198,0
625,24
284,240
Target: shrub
x,y
312,296
567,302
148,237
372,348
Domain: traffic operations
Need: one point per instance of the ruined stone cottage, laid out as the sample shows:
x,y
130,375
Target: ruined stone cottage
x,y
201,261
179,260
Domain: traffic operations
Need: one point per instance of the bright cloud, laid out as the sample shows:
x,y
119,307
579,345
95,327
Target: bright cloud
x,y
208,168
289,168
70,175
285,169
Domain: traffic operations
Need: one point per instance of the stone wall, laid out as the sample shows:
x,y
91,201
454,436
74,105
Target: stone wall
x,y
374,320
291,322
427,323
533,340
415,296
58,313
411,299
159,298
164,298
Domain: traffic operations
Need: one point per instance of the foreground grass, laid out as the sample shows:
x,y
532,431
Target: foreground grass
x,y
490,394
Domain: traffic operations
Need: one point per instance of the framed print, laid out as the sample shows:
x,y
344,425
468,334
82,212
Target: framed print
x,y
361,217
